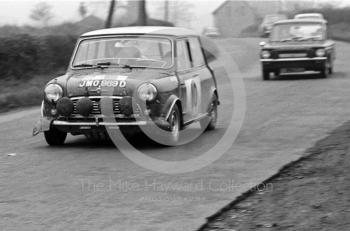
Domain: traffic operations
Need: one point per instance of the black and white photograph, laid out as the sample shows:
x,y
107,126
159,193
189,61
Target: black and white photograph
x,y
174,115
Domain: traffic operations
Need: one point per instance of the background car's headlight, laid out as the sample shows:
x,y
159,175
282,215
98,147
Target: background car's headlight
x,y
147,92
53,92
265,54
320,52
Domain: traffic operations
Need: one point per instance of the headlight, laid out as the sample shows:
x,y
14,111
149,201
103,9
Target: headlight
x,y
147,92
53,92
266,54
320,52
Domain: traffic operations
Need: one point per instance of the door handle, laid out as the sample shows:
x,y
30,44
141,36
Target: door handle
x,y
195,75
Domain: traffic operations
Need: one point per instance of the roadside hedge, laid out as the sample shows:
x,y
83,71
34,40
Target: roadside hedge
x,y
23,56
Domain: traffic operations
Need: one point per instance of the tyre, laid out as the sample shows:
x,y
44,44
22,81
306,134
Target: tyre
x,y
209,123
266,74
331,68
175,124
55,137
325,70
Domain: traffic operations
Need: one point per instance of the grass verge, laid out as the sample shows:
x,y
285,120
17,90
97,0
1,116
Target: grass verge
x,y
308,194
23,93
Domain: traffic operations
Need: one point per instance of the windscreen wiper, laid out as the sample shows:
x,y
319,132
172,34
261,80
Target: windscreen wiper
x,y
314,38
114,64
84,65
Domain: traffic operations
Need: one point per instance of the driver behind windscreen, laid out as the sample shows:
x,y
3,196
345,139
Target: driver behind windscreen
x,y
124,51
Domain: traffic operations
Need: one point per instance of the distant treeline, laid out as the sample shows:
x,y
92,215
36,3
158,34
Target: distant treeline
x,y
23,55
27,51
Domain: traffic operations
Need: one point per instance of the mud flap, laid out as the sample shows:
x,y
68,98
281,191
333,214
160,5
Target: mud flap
x,y
41,126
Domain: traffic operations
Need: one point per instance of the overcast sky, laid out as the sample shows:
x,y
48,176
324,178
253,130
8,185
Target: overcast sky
x,y
18,11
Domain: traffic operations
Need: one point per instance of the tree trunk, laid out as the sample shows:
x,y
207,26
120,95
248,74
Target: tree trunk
x,y
142,17
110,14
166,10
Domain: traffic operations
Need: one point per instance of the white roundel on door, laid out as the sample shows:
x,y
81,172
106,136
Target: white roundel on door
x,y
193,96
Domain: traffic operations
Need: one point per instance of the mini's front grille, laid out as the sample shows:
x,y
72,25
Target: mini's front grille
x,y
96,110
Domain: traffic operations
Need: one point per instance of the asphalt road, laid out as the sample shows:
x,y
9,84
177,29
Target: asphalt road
x,y
85,186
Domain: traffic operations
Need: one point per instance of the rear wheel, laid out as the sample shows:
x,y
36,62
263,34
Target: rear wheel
x,y
210,122
55,137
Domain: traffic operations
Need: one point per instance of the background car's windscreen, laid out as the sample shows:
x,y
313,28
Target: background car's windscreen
x,y
309,17
298,31
134,52
270,19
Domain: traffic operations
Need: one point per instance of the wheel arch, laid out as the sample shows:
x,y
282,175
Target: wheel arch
x,y
169,105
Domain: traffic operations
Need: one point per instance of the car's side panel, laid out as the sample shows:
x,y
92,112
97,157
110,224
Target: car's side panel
x,y
189,83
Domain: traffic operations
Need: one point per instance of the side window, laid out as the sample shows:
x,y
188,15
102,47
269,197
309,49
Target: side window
x,y
182,58
196,52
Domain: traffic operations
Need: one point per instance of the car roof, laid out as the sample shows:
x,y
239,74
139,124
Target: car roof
x,y
300,21
309,14
142,30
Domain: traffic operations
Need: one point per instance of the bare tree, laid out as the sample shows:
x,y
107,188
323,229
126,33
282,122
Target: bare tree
x,y
82,10
180,13
177,12
166,10
110,14
42,13
142,13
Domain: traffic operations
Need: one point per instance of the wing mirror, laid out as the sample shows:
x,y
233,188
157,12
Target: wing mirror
x,y
262,44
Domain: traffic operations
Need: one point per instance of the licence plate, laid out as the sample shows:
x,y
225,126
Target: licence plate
x,y
288,70
293,55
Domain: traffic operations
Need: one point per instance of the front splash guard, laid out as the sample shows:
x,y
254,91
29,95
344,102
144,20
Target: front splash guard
x,y
42,125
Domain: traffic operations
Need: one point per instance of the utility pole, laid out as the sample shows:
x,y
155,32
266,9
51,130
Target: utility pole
x,y
110,14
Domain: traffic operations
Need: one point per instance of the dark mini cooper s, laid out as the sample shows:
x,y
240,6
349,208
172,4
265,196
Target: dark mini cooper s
x,y
157,76
298,45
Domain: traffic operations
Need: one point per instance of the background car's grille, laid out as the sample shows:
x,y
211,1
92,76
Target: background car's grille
x,y
97,107
294,54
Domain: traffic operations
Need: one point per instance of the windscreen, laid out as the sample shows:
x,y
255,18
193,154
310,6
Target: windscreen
x,y
298,31
133,52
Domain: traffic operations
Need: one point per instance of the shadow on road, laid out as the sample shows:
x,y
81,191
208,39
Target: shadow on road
x,y
313,76
139,141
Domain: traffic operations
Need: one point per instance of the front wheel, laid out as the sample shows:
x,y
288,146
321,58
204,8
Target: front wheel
x,y
55,137
325,70
175,124
266,74
331,68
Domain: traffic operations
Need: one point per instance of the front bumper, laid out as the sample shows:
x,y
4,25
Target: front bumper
x,y
44,124
305,63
